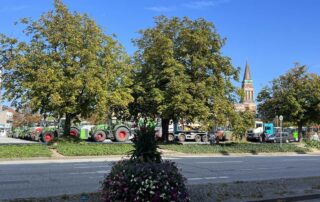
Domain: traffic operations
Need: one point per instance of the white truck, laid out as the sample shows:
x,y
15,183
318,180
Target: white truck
x,y
253,134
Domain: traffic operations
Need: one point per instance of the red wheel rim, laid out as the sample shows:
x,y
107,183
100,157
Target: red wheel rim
x,y
99,136
122,134
47,137
73,133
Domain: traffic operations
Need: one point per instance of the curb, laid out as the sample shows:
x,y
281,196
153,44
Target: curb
x,y
74,159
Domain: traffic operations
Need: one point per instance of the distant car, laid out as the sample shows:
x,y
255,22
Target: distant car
x,y
253,137
271,138
286,137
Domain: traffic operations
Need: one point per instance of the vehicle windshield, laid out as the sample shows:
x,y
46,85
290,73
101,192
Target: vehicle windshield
x,y
258,125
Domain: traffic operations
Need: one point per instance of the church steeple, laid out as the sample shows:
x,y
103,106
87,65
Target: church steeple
x,y
247,101
247,74
247,85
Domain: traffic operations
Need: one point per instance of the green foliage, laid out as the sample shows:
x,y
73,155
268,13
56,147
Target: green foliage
x,y
240,122
92,149
136,181
234,148
24,151
180,72
67,67
145,146
295,95
313,144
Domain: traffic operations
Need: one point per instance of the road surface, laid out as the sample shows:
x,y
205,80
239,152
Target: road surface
x,y
22,180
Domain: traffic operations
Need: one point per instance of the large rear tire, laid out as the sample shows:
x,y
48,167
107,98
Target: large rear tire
x,y
74,132
122,134
99,136
47,137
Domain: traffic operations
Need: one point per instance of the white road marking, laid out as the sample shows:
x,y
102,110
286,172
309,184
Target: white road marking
x,y
195,178
82,167
206,178
265,168
300,159
93,172
245,169
218,162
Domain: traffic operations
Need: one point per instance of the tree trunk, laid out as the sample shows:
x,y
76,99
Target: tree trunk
x,y
67,125
165,129
300,131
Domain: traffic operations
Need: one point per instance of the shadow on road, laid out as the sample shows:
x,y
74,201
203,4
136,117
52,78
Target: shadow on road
x,y
224,153
253,152
300,152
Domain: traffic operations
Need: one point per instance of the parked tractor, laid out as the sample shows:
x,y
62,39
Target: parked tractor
x,y
115,132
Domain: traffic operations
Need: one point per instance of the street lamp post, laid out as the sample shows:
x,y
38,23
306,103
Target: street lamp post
x,y
280,119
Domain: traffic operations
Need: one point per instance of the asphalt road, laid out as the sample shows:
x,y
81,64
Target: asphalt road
x,y
22,180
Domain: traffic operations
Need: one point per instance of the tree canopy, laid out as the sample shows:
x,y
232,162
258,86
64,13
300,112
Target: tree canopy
x,y
295,95
181,73
67,67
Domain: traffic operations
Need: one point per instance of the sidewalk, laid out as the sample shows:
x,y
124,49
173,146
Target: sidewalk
x,y
10,141
166,155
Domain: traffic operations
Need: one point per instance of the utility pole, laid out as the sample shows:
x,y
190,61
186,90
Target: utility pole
x,y
281,118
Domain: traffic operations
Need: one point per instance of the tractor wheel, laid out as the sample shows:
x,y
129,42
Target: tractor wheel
x,y
99,136
182,138
74,132
205,138
47,137
197,138
170,137
122,134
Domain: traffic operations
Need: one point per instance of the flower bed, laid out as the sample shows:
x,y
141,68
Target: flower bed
x,y
132,180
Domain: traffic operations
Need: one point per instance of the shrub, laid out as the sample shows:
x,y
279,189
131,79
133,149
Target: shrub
x,y
145,146
132,180
313,144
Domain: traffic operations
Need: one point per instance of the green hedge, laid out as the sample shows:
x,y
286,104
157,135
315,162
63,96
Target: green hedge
x,y
23,151
92,149
234,148
313,144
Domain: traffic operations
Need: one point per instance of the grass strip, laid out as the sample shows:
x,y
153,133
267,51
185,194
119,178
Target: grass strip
x,y
92,149
234,148
313,144
24,151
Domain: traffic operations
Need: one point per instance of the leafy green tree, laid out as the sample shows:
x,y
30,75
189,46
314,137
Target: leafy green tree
x,y
240,122
295,95
68,67
180,71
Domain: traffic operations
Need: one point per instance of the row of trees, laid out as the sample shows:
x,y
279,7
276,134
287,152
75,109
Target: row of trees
x,y
295,95
69,67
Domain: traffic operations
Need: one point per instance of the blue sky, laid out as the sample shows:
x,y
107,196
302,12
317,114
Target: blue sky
x,y
270,34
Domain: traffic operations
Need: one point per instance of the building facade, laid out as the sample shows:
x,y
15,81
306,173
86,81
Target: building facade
x,y
6,119
247,102
6,115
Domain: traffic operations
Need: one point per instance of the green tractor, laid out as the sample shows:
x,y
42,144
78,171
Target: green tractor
x,y
119,132
114,130
54,130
